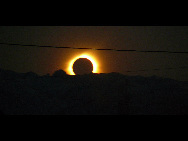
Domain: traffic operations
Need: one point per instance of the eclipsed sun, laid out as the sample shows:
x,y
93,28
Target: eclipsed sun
x,y
82,64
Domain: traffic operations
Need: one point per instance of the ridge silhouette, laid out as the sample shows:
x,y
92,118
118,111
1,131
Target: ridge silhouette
x,y
90,94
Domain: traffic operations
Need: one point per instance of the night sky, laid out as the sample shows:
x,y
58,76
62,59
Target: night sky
x,y
48,60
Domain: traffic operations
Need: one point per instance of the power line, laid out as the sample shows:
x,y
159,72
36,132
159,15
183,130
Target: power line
x,y
157,69
128,71
103,49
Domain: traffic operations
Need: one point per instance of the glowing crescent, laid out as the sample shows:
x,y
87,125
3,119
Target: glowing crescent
x,y
70,67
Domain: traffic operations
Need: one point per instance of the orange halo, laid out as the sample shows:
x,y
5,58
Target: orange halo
x,y
93,61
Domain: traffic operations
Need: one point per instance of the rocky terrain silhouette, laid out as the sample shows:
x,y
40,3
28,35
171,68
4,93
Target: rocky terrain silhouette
x,y
91,94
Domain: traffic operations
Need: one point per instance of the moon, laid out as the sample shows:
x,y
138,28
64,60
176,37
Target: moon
x,y
82,66
72,63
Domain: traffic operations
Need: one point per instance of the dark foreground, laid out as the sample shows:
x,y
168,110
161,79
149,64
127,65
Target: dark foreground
x,y
101,94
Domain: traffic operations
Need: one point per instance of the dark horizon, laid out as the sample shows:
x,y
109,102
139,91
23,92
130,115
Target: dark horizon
x,y
60,71
90,94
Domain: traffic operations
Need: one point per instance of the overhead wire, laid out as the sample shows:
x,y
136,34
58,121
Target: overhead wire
x,y
105,49
157,69
99,49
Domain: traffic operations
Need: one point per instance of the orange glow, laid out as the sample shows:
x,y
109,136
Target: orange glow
x,y
89,57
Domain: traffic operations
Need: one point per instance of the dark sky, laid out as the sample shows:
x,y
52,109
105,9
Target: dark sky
x,y
47,60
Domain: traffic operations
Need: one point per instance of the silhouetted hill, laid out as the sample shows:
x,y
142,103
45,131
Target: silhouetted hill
x,y
112,93
59,73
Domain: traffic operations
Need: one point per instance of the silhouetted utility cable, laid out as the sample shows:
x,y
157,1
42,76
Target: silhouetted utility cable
x,y
183,67
103,49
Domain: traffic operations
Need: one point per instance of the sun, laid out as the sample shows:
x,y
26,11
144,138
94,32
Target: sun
x,y
87,56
